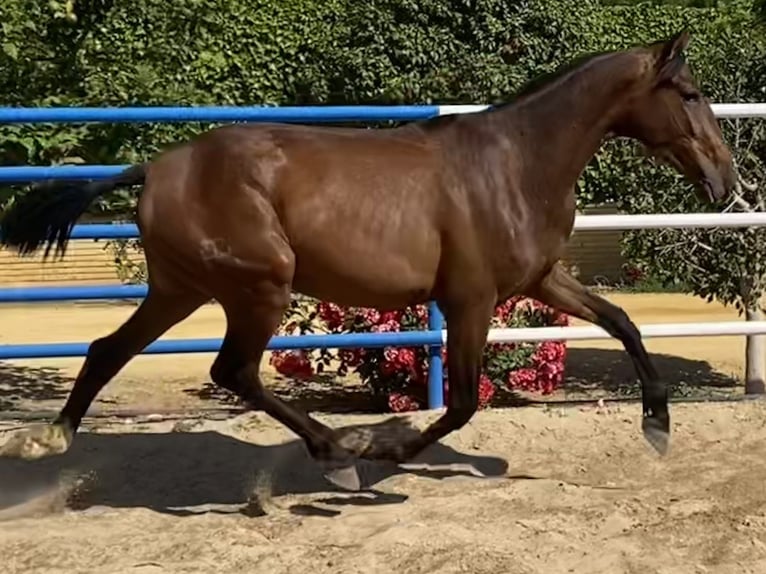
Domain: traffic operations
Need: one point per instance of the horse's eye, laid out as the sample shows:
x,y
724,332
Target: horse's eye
x,y
690,96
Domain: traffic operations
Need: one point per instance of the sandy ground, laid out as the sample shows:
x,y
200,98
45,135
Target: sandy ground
x,y
567,489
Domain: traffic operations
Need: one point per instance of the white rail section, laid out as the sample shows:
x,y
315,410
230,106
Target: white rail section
x,y
650,331
669,221
721,110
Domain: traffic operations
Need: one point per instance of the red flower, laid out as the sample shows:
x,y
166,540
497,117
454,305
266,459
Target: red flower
x,y
292,363
399,360
390,316
388,368
505,311
421,313
331,314
370,316
560,319
388,326
399,403
522,378
351,357
550,351
486,391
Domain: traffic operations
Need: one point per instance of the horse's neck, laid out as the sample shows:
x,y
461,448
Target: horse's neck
x,y
560,127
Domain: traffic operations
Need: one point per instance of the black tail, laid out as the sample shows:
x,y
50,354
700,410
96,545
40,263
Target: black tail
x,y
47,213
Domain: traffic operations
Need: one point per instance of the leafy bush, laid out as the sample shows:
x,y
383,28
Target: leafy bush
x,y
397,376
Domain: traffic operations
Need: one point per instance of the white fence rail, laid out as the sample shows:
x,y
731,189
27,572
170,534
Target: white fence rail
x,y
669,221
721,110
653,330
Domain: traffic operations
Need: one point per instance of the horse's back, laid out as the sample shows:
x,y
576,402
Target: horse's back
x,y
357,207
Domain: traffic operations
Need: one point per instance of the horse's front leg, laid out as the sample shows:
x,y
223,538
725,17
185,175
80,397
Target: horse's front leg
x,y
559,289
467,327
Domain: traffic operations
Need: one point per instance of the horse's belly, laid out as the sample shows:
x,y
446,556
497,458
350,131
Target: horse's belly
x,y
358,276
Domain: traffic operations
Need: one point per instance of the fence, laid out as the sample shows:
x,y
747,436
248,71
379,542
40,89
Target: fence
x,y
434,337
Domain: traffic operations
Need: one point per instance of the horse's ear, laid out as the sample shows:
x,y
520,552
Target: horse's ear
x,y
670,55
675,46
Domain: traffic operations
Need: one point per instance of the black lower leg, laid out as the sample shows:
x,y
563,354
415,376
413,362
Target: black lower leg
x,y
320,440
467,334
104,360
237,369
467,327
561,290
654,392
108,355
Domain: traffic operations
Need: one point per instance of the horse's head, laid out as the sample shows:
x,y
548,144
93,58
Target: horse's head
x,y
670,116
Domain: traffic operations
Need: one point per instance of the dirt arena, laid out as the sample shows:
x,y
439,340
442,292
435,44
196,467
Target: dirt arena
x,y
547,488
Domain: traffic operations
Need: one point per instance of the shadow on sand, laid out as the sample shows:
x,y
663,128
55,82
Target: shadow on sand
x,y
187,473
612,371
607,371
22,383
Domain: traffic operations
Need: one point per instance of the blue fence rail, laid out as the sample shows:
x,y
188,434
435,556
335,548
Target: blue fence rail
x,y
13,174
278,342
169,114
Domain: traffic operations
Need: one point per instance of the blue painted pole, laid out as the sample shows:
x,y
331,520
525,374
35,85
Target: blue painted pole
x,y
435,363
73,293
105,231
17,174
168,114
281,342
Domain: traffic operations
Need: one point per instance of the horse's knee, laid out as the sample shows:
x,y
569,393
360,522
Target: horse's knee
x,y
99,348
102,356
283,267
618,324
627,329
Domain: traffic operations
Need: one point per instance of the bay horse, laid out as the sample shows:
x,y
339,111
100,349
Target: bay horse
x,y
466,210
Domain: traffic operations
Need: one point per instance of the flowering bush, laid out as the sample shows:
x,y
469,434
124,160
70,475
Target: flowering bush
x,y
397,375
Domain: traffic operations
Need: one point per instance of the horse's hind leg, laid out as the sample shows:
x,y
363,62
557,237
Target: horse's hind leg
x,y
559,289
106,356
252,317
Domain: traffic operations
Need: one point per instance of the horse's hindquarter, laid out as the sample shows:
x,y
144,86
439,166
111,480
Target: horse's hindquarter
x,y
360,211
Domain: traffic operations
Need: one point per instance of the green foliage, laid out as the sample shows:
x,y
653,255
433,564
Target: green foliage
x,y
729,264
684,3
151,52
277,52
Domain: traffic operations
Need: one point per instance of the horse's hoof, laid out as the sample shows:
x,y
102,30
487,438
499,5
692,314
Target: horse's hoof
x,y
657,434
356,440
346,477
394,440
38,442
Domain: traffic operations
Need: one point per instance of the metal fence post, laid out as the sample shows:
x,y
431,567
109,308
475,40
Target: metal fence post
x,y
435,363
